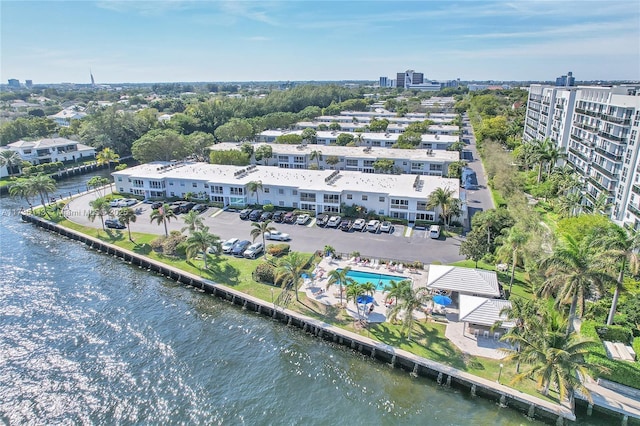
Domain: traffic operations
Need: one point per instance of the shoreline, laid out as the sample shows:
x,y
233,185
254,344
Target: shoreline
x,y
444,375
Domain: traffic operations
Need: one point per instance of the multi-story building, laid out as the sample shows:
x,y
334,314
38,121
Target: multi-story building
x,y
598,127
566,80
396,196
351,126
14,83
52,150
408,161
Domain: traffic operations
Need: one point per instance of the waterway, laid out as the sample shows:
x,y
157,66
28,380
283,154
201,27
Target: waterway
x,y
89,339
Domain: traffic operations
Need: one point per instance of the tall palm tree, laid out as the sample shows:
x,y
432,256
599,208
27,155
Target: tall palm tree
x,y
520,312
341,278
22,189
358,139
601,204
253,187
290,271
551,355
573,273
163,215
97,182
107,156
516,238
99,208
408,300
553,154
570,205
621,247
43,185
10,159
316,155
352,292
199,241
193,221
259,229
441,197
127,216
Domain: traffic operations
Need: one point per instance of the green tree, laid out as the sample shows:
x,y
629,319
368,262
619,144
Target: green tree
x,y
259,229
193,222
316,155
309,135
127,216
160,145
163,215
254,187
384,165
289,139
264,152
100,208
340,277
247,148
107,156
335,126
376,125
409,140
229,157
198,144
42,185
442,198
199,241
235,130
332,160
10,159
290,271
344,139
516,239
408,300
97,183
455,169
475,246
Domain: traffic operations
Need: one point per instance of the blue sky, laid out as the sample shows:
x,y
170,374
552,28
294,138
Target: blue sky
x,y
152,41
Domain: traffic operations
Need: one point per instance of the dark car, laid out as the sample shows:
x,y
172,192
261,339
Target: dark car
x,y
186,207
199,208
265,216
239,248
278,216
322,219
255,215
244,214
176,206
156,205
290,218
113,224
345,225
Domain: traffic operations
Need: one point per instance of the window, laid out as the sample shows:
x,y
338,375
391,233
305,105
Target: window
x,y
365,198
194,185
217,199
206,185
119,179
295,192
281,203
352,163
280,191
181,183
381,199
236,191
349,196
216,189
331,198
265,190
171,184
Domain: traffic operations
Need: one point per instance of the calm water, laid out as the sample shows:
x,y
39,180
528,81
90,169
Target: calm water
x,y
88,339
379,280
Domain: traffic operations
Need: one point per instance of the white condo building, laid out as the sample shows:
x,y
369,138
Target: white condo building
x,y
598,127
52,150
397,196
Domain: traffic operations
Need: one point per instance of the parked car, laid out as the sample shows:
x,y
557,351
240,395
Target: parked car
x,y
199,208
255,215
333,222
128,202
115,202
186,207
239,248
265,216
253,250
113,224
322,219
290,218
359,225
386,227
244,214
277,236
278,216
156,205
373,225
345,225
176,206
434,231
227,246
303,219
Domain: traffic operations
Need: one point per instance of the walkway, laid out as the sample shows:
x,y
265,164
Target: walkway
x,y
486,347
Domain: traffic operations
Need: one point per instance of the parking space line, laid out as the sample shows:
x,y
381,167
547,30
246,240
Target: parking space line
x,y
219,212
313,222
408,231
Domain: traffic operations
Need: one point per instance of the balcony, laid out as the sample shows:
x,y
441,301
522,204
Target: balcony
x,y
616,120
586,112
308,199
610,136
633,209
607,173
635,188
586,126
610,155
597,184
580,154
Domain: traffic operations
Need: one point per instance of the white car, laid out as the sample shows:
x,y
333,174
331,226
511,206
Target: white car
x,y
302,219
253,250
228,245
277,236
334,221
359,225
128,202
386,227
115,202
373,225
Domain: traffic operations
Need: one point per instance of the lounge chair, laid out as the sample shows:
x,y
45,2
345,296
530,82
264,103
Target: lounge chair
x,y
400,267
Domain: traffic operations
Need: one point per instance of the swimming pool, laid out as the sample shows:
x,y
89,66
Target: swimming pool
x,y
380,280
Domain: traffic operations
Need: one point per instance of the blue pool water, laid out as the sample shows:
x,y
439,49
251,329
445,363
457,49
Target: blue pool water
x,y
380,280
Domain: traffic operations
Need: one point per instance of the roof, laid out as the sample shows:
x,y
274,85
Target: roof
x,y
48,143
463,280
311,180
353,151
369,136
69,114
483,311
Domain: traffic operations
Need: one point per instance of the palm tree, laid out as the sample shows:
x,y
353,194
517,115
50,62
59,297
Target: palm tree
x,y
107,156
316,155
573,273
441,197
163,215
126,216
10,159
96,183
253,187
100,208
193,221
408,300
22,189
553,154
199,241
42,185
541,152
290,270
340,277
621,247
358,139
601,204
259,229
513,243
570,205
551,355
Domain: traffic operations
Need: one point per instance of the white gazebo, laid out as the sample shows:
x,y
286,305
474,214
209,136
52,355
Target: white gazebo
x,y
480,315
464,281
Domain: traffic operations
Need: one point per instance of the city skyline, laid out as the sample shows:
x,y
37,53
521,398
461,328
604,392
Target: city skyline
x,y
180,41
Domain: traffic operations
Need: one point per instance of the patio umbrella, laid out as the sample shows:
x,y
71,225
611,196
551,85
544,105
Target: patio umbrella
x,y
364,299
305,276
442,300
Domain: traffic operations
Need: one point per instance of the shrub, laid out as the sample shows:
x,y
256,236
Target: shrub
x,y
268,207
265,273
614,333
636,347
156,244
278,249
170,244
181,249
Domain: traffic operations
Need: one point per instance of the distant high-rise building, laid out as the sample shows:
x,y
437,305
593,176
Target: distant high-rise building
x,y
566,80
28,83
14,82
400,79
93,81
383,81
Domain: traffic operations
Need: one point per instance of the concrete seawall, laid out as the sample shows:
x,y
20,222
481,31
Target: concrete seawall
x,y
444,375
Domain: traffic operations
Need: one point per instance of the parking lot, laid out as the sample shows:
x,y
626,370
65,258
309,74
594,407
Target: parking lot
x,y
397,245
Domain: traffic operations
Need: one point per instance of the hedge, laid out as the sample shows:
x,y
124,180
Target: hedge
x,y
636,348
623,372
614,333
278,249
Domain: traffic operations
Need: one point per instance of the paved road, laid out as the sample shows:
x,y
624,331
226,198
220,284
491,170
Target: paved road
x,y
309,238
480,199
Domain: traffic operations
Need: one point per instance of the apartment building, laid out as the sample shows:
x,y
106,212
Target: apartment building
x,y
434,129
397,196
598,127
361,159
52,150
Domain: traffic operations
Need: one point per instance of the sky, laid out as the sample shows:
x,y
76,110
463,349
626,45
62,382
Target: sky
x,y
183,41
